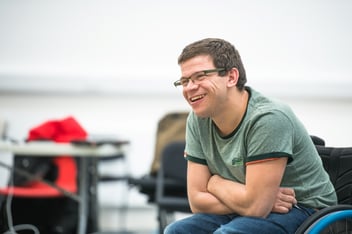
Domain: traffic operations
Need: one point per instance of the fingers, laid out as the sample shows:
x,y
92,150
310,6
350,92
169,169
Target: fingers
x,y
287,195
281,210
285,200
282,207
287,191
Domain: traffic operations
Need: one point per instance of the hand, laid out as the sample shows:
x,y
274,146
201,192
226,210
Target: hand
x,y
285,199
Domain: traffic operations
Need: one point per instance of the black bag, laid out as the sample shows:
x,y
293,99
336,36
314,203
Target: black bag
x,y
29,168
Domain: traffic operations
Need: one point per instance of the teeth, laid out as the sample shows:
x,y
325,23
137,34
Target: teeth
x,y
195,98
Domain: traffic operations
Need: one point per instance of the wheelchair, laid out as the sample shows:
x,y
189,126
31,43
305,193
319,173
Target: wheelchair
x,y
337,219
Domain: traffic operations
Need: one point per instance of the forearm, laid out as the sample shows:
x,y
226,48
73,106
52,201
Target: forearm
x,y
205,202
200,200
239,199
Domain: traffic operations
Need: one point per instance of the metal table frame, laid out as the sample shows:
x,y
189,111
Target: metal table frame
x,y
82,149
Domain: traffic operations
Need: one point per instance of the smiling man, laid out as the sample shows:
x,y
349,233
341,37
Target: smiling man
x,y
252,167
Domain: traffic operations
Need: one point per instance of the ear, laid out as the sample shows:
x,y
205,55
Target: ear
x,y
233,77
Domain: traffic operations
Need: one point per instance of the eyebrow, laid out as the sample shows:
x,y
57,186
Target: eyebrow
x,y
202,71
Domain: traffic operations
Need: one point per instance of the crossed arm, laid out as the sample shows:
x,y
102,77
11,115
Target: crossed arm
x,y
260,195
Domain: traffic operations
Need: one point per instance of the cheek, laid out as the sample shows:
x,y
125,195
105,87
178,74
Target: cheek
x,y
184,95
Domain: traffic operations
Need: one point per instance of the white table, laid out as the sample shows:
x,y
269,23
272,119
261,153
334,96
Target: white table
x,y
82,149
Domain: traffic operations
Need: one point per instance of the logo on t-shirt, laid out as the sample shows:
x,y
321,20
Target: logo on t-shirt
x,y
237,162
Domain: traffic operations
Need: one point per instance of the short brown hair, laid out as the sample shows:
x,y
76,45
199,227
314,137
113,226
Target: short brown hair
x,y
223,53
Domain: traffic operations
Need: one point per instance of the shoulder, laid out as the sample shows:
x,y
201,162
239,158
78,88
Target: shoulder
x,y
263,106
265,113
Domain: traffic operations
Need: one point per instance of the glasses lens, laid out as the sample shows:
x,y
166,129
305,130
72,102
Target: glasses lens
x,y
196,77
177,83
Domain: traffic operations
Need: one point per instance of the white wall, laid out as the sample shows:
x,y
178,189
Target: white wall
x,y
121,46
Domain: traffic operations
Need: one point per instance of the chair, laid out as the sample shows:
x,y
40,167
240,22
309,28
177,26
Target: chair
x,y
172,174
33,201
66,170
337,162
171,127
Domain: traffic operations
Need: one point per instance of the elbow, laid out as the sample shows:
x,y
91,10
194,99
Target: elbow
x,y
194,208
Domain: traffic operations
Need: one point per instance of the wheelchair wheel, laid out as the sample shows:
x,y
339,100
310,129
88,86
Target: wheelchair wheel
x,y
331,220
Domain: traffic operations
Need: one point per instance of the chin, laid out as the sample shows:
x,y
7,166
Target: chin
x,y
201,114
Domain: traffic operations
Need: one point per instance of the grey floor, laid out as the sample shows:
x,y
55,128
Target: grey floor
x,y
136,220
131,220
123,209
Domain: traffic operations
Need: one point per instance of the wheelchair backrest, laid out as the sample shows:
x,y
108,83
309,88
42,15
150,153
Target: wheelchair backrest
x,y
337,162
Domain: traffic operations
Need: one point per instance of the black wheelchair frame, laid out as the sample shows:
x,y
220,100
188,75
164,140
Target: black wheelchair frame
x,y
337,219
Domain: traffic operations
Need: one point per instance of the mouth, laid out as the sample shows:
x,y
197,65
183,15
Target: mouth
x,y
197,97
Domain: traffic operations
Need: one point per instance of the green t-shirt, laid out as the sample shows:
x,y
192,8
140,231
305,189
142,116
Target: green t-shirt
x,y
269,129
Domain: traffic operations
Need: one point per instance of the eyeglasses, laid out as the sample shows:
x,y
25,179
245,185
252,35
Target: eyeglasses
x,y
196,77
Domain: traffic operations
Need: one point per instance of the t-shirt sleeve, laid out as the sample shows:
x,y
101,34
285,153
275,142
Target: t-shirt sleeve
x,y
193,149
270,136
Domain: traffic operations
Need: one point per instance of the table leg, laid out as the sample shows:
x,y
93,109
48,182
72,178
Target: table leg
x,y
83,183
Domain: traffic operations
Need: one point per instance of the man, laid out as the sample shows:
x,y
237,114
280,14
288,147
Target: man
x,y
252,167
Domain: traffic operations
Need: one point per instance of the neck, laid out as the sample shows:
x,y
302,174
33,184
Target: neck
x,y
234,112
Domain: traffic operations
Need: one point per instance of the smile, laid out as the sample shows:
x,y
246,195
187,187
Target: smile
x,y
196,98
